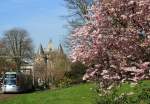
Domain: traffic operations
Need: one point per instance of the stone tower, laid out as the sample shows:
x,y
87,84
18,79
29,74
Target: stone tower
x,y
40,56
50,46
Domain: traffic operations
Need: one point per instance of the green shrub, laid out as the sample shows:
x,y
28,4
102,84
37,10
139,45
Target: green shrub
x,y
63,83
76,73
67,78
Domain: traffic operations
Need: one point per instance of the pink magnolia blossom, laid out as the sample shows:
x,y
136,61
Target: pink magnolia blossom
x,y
114,43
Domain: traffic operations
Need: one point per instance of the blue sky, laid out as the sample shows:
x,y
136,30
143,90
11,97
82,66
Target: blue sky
x,y
41,18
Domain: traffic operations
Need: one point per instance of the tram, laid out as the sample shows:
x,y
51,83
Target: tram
x,y
15,82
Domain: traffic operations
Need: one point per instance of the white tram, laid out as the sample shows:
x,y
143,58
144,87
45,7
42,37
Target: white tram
x,y
15,82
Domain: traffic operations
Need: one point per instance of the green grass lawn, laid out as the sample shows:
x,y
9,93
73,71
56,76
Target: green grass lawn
x,y
126,88
79,94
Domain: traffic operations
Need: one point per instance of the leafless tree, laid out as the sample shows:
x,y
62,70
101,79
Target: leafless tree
x,y
18,45
77,11
40,74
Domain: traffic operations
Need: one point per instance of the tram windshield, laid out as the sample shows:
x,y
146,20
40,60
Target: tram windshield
x,y
9,82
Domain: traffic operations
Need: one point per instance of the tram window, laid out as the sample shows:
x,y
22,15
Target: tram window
x,y
9,82
10,75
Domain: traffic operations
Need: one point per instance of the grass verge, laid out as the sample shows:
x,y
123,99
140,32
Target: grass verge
x,y
79,94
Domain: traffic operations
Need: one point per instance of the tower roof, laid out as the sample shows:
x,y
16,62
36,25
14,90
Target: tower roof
x,y
41,50
60,49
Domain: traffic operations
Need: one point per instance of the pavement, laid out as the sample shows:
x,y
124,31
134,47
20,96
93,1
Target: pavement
x,y
5,96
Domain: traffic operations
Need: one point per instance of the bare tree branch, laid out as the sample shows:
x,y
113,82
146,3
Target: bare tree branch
x,y
19,45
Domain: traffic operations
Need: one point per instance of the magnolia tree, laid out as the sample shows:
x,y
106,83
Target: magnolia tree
x,y
115,42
